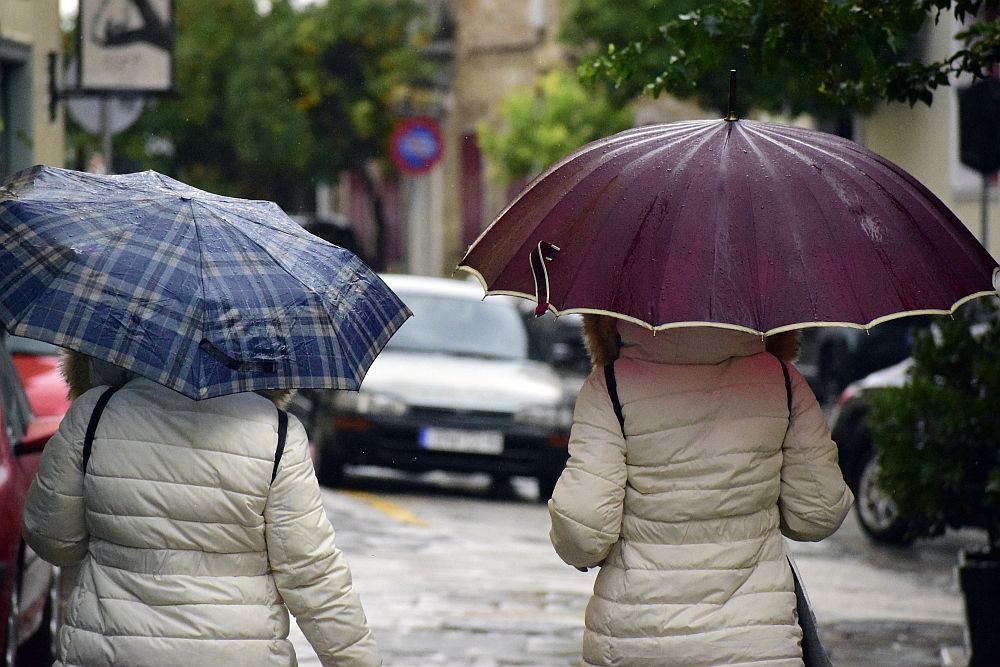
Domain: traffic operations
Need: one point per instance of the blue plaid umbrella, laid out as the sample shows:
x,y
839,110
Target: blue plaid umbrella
x,y
205,294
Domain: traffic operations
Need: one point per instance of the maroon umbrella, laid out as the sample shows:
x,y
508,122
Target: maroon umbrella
x,y
756,226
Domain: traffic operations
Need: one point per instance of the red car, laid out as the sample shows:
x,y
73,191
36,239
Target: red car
x,y
38,366
29,587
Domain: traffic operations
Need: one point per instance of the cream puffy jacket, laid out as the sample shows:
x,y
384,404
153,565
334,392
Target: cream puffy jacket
x,y
189,553
685,514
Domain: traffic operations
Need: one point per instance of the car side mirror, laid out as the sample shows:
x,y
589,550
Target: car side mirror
x,y
40,429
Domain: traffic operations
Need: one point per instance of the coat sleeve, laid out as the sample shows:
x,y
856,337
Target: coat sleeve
x,y
311,573
814,497
586,505
54,520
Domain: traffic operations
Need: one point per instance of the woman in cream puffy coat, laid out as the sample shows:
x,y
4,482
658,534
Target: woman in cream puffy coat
x,y
685,513
190,555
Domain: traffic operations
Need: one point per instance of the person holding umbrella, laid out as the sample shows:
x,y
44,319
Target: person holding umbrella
x,y
177,483
695,251
683,497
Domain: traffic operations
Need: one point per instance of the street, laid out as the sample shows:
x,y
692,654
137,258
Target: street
x,y
452,572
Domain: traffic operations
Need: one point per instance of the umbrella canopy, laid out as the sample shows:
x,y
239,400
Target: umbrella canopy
x,y
205,294
755,226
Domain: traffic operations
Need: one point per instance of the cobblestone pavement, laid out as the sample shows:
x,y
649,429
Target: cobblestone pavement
x,y
471,581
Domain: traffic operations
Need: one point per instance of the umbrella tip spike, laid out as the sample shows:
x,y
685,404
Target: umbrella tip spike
x,y
731,113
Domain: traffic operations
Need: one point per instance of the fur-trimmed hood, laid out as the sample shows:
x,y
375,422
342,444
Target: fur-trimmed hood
x,y
603,341
76,369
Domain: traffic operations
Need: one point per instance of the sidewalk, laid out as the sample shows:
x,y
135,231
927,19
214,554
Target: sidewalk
x,y
863,644
850,644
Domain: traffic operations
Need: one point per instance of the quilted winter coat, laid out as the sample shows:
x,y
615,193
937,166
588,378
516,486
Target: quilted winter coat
x,y
188,553
685,513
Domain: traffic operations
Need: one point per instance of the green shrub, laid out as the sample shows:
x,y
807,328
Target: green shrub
x,y
938,436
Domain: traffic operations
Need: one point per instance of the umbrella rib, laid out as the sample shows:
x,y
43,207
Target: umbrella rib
x,y
262,248
875,161
625,141
715,126
317,295
627,168
204,293
800,248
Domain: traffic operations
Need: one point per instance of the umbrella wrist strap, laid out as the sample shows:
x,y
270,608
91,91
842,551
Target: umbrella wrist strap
x,y
88,439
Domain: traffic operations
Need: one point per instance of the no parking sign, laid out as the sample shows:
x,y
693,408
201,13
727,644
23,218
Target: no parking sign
x,y
416,145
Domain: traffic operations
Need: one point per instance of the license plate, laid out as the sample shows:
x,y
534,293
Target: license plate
x,y
454,440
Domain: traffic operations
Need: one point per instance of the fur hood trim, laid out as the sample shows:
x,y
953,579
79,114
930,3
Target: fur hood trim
x,y
75,369
600,335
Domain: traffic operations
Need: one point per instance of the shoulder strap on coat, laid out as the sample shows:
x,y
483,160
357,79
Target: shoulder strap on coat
x,y
609,379
282,435
88,439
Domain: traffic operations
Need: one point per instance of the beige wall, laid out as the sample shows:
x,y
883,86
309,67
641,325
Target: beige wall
x,y
924,141
35,24
500,45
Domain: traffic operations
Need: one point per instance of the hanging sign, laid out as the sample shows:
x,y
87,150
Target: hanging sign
x,y
126,46
415,145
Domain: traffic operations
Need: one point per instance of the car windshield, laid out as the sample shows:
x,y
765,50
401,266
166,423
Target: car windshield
x,y
464,327
21,345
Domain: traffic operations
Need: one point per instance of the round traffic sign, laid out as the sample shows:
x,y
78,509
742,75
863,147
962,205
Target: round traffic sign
x,y
416,145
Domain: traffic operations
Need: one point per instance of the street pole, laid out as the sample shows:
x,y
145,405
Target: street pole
x,y
106,135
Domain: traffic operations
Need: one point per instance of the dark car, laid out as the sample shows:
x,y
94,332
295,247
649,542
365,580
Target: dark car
x,y
29,587
877,512
833,357
457,388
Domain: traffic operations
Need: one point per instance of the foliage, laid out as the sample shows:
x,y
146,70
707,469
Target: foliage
x,y
815,56
268,103
540,125
938,436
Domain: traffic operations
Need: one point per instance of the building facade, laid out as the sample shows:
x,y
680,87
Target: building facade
x,y
30,132
925,141
488,48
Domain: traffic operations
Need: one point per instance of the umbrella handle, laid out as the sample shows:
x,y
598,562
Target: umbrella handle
x,y
240,365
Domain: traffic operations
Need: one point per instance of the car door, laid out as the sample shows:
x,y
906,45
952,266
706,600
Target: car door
x,y
25,591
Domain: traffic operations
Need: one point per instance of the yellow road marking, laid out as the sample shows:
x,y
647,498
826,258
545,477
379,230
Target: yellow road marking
x,y
387,507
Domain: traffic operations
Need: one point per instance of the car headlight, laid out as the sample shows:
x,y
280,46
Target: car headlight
x,y
369,403
549,416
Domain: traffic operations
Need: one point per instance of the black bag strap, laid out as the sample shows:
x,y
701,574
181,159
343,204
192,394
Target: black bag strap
x,y
282,435
609,379
788,387
88,439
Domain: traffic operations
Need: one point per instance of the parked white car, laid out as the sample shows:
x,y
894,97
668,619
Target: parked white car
x,y
457,388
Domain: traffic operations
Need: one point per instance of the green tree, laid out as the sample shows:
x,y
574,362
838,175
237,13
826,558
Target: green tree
x,y
268,104
938,436
816,56
539,125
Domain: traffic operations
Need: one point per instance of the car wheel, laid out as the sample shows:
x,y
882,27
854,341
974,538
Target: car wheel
x,y
546,485
12,636
876,510
41,648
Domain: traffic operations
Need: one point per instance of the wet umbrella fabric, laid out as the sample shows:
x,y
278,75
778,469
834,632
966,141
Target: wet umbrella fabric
x,y
205,294
756,226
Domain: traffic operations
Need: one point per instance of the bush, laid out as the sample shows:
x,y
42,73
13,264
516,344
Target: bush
x,y
938,436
